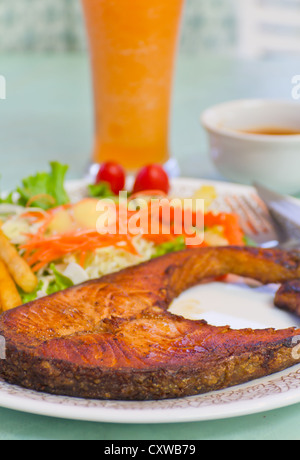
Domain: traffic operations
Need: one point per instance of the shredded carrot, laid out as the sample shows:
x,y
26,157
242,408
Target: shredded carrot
x,y
42,249
231,226
41,197
34,215
39,252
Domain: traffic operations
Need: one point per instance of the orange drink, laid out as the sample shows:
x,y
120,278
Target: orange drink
x,y
133,48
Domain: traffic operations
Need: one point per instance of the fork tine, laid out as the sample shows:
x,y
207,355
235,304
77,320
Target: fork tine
x,y
259,214
256,222
248,219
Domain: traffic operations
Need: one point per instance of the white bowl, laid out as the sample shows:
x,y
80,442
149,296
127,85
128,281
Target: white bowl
x,y
272,160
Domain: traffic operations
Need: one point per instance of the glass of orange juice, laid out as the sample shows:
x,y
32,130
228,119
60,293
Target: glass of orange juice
x,y
133,48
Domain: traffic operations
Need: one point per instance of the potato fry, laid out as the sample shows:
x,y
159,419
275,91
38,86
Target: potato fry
x,y
17,267
9,295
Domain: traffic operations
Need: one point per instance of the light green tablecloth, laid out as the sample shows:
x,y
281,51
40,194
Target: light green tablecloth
x,y
48,116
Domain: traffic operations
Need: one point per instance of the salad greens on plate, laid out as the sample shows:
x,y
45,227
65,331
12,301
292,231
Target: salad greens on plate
x,y
60,241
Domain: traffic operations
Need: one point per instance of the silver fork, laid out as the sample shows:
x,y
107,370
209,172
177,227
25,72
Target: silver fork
x,y
256,221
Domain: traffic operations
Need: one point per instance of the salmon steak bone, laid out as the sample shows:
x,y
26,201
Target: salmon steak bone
x,y
114,338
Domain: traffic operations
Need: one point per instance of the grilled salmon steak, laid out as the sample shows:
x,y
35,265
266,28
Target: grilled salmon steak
x,y
114,338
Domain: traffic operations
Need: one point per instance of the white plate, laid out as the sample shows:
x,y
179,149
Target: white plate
x,y
238,305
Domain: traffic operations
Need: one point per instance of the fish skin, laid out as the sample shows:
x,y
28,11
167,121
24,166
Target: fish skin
x,y
288,297
114,338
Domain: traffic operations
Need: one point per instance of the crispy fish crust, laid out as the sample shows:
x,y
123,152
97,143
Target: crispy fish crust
x,y
113,338
288,297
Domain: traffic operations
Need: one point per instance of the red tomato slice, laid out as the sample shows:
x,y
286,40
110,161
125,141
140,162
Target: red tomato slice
x,y
114,175
152,177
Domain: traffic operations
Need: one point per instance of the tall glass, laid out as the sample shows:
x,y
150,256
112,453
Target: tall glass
x,y
133,48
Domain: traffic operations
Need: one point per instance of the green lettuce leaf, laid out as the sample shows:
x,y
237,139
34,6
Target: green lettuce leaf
x,y
60,283
26,298
100,190
8,199
249,242
48,188
171,246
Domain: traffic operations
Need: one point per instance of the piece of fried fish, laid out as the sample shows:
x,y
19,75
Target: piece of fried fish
x,y
113,338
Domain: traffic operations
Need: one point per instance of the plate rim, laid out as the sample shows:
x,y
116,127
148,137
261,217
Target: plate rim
x,y
56,408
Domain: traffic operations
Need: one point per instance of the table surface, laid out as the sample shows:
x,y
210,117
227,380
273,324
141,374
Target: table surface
x,y
48,116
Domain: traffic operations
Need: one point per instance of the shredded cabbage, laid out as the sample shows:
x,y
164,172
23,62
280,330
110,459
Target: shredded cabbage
x,y
107,260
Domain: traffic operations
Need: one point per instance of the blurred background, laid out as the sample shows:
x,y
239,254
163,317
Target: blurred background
x,y
228,49
248,27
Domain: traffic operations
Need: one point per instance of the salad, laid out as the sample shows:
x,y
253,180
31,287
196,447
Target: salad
x,y
60,241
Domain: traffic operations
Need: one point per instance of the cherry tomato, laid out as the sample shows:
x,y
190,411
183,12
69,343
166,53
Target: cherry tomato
x,y
114,175
152,177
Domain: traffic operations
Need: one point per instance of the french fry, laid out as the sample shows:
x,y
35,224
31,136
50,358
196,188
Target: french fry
x,y
17,267
9,295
